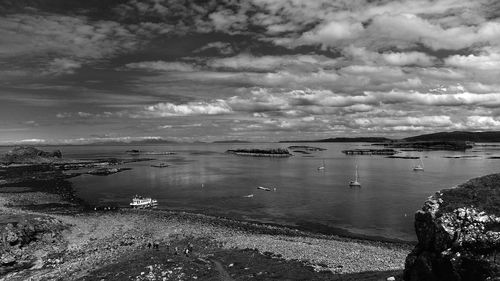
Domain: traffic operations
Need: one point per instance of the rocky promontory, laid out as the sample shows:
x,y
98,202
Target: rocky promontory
x,y
458,233
29,155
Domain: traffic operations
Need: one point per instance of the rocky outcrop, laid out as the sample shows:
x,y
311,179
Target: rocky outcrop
x,y
458,233
29,155
106,171
24,238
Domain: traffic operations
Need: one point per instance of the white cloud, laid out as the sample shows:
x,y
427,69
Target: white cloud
x,y
167,109
483,122
162,66
409,58
333,33
489,60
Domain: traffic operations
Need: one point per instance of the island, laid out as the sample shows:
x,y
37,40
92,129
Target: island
x,y
275,152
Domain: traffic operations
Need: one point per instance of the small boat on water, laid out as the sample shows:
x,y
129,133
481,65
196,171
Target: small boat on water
x,y
140,202
419,167
322,167
355,183
248,196
263,188
160,165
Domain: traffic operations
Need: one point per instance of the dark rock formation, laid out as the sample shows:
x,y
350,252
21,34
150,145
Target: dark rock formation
x,y
29,155
106,171
21,238
458,233
276,152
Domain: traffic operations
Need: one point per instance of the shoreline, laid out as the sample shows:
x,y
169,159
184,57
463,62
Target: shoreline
x,y
306,228
321,257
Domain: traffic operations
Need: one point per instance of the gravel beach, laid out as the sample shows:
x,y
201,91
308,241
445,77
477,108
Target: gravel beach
x,y
113,240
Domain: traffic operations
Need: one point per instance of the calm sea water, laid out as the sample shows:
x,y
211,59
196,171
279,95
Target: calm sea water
x,y
202,178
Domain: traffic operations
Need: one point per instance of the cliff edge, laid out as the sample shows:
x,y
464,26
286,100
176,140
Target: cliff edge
x,y
458,233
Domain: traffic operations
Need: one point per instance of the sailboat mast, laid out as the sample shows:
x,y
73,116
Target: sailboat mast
x,y
356,172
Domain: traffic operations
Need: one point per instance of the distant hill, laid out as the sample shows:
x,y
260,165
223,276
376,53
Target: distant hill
x,y
231,141
493,136
357,139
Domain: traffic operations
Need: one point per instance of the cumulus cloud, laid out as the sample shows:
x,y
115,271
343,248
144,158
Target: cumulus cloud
x,y
192,108
482,122
487,60
409,58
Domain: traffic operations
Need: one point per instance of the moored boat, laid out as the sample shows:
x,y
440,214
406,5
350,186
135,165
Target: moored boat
x,y
355,182
140,202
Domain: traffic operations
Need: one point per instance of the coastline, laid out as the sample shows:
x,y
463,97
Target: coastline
x,y
93,240
49,233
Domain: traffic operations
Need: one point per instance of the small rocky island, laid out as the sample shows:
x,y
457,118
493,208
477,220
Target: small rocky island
x,y
275,152
30,155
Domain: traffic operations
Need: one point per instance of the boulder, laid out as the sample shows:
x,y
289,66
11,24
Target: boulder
x,y
7,259
458,233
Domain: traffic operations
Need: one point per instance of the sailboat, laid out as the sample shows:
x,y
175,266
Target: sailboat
x,y
322,167
419,167
355,183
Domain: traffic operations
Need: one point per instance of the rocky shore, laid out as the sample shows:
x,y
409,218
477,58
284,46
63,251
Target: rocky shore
x,y
458,234
49,234
93,245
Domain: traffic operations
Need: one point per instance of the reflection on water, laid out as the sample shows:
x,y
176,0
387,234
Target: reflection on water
x,y
203,178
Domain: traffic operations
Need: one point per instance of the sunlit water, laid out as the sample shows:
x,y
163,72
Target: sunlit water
x,y
202,178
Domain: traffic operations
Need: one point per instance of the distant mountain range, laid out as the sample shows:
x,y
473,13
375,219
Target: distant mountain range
x,y
134,142
492,136
342,139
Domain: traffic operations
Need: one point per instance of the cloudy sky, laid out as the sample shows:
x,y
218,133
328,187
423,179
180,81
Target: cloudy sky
x,y
78,71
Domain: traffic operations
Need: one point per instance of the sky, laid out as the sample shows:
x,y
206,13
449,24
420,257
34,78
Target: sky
x,y
75,71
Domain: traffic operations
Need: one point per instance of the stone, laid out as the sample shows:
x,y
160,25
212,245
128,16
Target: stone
x,y
7,259
458,235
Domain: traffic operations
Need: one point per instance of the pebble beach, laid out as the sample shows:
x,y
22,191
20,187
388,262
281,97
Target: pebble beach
x,y
95,240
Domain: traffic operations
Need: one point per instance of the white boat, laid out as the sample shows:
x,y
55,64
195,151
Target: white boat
x,y
263,188
355,182
140,202
321,168
248,196
419,167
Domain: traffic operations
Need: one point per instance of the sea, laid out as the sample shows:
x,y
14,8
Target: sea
x,y
203,178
